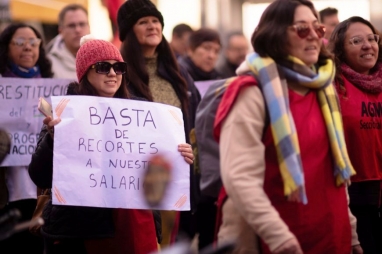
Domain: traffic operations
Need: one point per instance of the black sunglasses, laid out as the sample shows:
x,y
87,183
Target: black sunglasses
x,y
104,67
303,31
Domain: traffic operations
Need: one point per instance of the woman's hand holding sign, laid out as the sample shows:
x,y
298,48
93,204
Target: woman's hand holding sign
x,y
46,109
186,151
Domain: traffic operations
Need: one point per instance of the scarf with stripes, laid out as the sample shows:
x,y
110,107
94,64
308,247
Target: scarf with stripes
x,y
283,129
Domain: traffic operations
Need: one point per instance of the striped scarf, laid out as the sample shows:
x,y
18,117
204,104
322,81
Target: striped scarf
x,y
283,129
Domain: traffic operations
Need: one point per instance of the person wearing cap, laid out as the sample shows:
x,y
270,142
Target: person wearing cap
x,y
153,73
70,229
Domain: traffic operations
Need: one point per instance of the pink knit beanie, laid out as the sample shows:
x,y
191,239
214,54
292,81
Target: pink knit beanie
x,y
92,51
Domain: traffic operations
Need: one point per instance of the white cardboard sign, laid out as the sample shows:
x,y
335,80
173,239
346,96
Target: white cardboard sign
x,y
19,115
102,148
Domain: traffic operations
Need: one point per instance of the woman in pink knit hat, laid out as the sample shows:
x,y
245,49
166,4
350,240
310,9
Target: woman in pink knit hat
x,y
71,229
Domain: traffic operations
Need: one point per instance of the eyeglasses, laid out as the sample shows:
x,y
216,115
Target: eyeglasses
x,y
21,42
303,31
73,26
104,67
359,41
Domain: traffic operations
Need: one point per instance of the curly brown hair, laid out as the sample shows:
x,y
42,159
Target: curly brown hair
x,y
336,47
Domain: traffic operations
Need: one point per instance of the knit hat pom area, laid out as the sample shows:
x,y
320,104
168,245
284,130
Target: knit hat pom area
x,y
86,38
94,50
132,10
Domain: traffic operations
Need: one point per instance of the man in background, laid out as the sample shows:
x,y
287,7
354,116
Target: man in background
x,y
329,18
235,49
73,23
179,41
202,55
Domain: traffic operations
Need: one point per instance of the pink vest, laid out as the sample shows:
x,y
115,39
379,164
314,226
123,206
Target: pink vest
x,y
362,118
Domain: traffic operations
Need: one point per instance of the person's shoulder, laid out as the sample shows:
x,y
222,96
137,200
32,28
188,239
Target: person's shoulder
x,y
183,72
54,43
247,77
181,59
234,85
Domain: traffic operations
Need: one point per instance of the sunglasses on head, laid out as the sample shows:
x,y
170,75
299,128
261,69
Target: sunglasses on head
x,y
21,42
104,67
303,30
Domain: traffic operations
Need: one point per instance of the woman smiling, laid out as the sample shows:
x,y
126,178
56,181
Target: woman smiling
x,y
22,55
153,74
356,46
284,163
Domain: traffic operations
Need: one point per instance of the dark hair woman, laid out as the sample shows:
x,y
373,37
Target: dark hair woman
x,y
356,46
153,73
13,44
22,55
67,229
284,163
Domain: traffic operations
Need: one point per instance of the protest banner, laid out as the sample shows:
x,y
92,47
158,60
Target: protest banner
x,y
102,148
19,114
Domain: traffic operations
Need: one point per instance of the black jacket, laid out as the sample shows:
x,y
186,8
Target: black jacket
x,y
196,73
226,69
365,193
65,221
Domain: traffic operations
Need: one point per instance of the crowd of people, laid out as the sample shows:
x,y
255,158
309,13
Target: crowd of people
x,y
298,131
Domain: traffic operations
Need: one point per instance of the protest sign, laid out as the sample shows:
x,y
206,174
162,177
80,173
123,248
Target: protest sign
x,y
203,86
19,114
102,148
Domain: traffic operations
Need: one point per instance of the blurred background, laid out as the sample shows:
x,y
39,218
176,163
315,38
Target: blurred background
x,y
223,15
